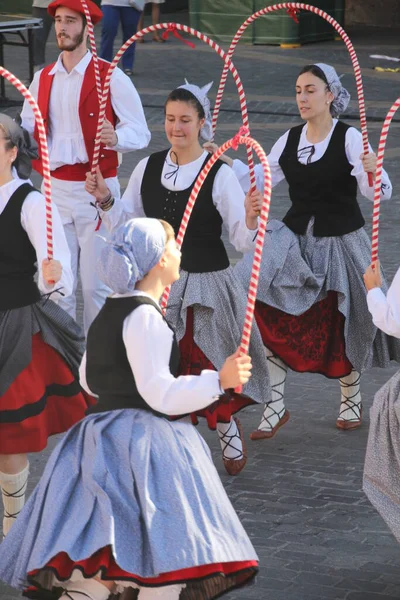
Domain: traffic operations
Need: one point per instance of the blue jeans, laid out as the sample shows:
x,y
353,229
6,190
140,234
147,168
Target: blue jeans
x,y
129,18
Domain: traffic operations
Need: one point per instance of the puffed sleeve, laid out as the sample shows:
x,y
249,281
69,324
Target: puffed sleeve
x,y
131,129
354,149
130,206
242,172
33,220
148,342
228,198
385,310
27,116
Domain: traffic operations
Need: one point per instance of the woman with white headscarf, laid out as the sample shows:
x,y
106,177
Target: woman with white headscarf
x,y
311,306
207,305
40,345
130,497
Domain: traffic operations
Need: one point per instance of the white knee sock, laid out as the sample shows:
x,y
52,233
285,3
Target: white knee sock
x,y
350,406
229,438
167,592
13,488
275,409
88,589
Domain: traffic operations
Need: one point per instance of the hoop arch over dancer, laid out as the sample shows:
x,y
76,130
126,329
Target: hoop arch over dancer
x,y
292,8
174,28
310,282
41,346
208,304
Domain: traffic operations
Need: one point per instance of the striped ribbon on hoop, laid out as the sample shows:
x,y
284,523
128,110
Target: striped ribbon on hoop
x,y
292,8
174,28
255,273
378,179
44,154
93,48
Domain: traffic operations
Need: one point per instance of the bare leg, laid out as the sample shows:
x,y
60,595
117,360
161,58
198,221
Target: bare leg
x,y
167,592
155,18
140,26
89,589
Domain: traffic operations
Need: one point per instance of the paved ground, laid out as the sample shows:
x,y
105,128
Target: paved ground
x,y
300,496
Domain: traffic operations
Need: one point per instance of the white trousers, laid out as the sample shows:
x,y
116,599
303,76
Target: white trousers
x,y
79,218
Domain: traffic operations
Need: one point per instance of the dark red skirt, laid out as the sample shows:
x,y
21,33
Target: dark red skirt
x,y
309,343
103,560
44,399
193,362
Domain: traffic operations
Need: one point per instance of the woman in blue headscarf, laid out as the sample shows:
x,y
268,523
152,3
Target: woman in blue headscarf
x,y
130,497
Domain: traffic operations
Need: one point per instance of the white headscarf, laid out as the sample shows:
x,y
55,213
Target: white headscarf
x,y
341,95
200,94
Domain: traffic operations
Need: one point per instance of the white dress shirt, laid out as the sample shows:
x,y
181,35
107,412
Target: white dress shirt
x,y
353,148
227,194
65,137
33,220
148,343
385,310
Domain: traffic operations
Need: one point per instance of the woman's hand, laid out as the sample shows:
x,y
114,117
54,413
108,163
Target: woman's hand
x,y
372,276
212,148
96,186
369,163
52,271
253,204
108,136
236,371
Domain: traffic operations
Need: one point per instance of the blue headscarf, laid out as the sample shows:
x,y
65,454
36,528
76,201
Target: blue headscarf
x,y
135,248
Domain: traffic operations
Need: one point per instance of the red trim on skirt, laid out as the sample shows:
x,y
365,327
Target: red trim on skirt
x,y
44,399
193,361
104,560
309,343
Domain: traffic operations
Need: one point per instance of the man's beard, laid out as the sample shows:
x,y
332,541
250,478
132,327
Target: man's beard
x,y
73,43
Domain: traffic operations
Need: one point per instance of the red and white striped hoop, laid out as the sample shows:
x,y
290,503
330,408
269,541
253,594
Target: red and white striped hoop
x,y
44,154
93,48
378,179
173,27
255,274
292,8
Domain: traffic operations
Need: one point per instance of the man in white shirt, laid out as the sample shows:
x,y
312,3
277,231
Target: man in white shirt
x,y
67,96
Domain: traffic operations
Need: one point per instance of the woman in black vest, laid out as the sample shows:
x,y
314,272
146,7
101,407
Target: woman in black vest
x,y
207,305
311,309
130,497
40,345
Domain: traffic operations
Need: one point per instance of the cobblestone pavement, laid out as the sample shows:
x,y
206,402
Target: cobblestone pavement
x,y
300,495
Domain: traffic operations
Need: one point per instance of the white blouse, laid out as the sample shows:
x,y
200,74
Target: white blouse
x,y
385,310
65,137
228,198
353,148
148,342
33,220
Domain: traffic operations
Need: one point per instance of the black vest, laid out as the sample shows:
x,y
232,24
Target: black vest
x,y
324,189
17,256
108,372
203,250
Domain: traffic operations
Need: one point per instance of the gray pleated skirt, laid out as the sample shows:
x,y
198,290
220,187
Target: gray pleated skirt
x,y
381,481
137,498
299,270
218,301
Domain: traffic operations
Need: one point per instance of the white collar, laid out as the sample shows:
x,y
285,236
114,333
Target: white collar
x,y
79,68
200,160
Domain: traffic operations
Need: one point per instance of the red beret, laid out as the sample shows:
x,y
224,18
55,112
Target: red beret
x,y
76,5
